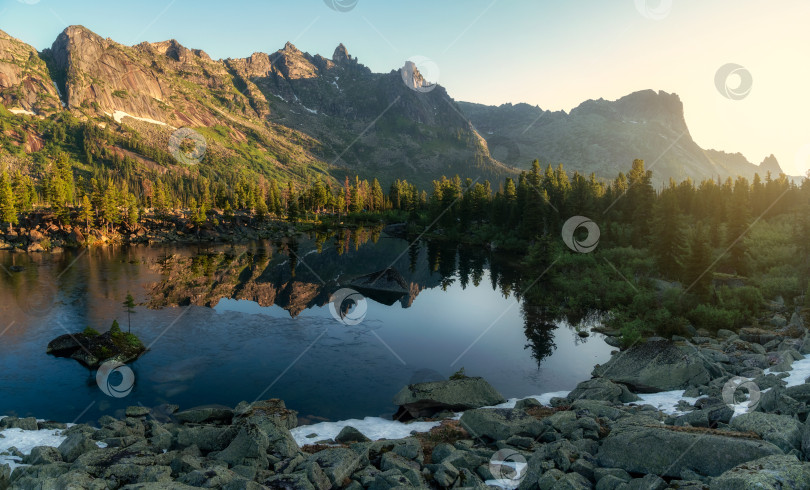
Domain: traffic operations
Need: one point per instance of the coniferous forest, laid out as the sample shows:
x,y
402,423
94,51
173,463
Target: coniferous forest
x,y
664,264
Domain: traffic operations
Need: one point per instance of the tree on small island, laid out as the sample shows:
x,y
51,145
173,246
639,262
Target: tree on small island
x,y
129,305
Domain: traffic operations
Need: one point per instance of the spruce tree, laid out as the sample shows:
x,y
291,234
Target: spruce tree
x,y
668,244
697,273
8,211
86,213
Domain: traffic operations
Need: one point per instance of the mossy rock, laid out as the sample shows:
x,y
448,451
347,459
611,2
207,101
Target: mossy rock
x,y
92,349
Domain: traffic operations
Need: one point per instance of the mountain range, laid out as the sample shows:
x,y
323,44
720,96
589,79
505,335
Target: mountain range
x,y
603,136
292,115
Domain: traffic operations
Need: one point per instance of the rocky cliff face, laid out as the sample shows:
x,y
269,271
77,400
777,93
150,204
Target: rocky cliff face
x,y
298,112
604,137
25,83
164,81
299,109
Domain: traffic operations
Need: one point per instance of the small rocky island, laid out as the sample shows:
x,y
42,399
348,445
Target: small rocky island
x,y
92,349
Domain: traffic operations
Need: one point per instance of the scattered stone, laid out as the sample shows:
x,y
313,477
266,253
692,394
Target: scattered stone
x,y
781,430
427,399
666,452
137,412
497,424
779,471
349,435
601,389
205,415
657,366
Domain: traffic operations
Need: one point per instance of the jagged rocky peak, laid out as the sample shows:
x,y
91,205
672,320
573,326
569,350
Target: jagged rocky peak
x,y
341,55
76,39
290,48
294,64
638,107
771,164
176,51
411,76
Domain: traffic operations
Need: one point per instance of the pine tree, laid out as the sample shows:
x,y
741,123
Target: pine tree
x,y
86,213
697,273
640,198
129,307
261,208
739,215
22,195
377,196
668,244
8,211
132,212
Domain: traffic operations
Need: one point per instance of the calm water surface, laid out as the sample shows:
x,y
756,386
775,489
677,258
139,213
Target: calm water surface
x,y
245,322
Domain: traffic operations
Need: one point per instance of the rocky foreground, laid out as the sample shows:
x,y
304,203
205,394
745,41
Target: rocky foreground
x,y
600,436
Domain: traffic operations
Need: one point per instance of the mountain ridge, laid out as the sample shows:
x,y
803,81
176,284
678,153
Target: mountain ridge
x,y
286,112
647,124
299,116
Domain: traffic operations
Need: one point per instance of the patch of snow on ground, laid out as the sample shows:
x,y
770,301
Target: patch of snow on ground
x,y
374,428
800,371
25,441
545,399
665,401
22,111
120,115
311,111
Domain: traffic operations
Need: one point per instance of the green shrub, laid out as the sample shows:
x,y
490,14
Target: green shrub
x,y
786,287
115,329
632,333
131,340
458,374
91,332
747,300
713,319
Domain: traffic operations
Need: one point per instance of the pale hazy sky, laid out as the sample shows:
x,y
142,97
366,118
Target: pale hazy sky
x,y
549,53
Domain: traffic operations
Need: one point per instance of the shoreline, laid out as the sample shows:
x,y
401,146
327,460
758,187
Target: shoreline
x,y
585,423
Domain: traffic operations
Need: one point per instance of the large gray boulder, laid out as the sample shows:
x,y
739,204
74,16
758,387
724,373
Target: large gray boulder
x,y
781,430
5,476
427,399
668,453
784,471
658,366
499,424
338,463
205,415
75,445
602,389
263,428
